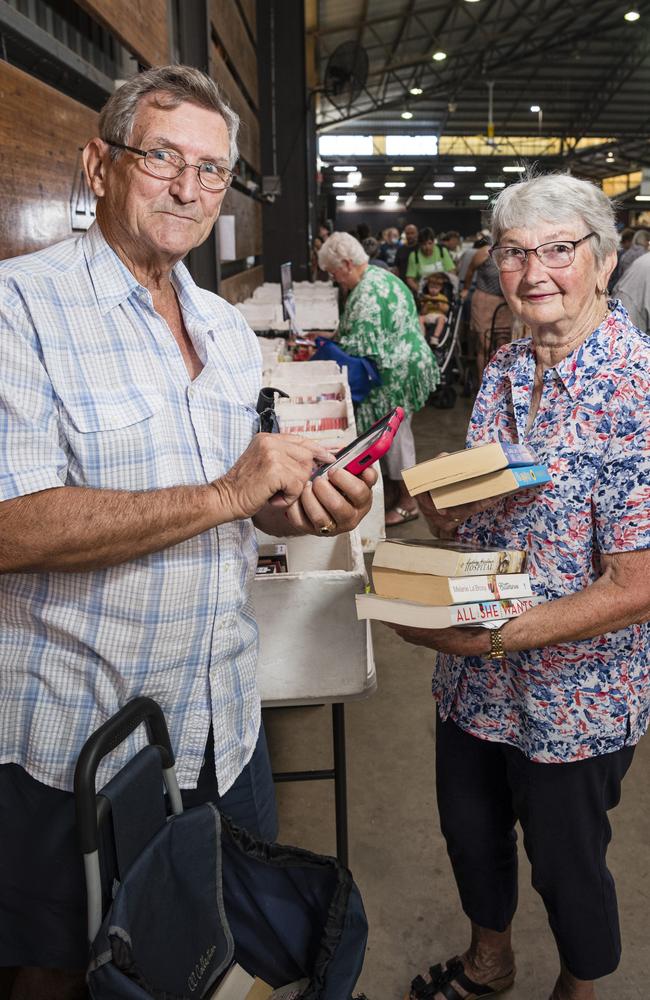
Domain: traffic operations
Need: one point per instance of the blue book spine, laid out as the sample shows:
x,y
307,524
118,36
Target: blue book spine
x,y
518,454
531,475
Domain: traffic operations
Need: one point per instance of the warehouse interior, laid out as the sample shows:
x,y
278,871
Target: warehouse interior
x,y
383,113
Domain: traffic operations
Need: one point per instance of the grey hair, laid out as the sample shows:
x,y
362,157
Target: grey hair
x,y
557,198
641,238
175,84
339,247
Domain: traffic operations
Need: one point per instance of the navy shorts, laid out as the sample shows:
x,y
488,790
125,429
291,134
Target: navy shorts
x,y
42,889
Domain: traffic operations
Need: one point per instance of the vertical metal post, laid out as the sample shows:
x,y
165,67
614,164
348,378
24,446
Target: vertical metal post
x,y
340,782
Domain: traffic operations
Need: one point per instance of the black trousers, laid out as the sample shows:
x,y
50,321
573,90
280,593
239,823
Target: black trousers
x,y
483,789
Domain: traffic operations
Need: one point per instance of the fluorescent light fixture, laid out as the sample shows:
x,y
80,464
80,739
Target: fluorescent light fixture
x,y
416,91
355,178
411,145
344,169
642,197
465,170
444,184
439,56
342,184
632,15
494,184
535,108
479,197
407,114
402,170
388,197
432,197
349,198
395,184
514,170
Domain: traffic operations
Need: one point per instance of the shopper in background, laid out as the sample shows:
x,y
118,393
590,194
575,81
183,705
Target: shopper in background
x,y
380,321
389,245
638,247
427,257
633,290
451,241
538,721
487,298
316,273
627,235
131,480
371,246
404,250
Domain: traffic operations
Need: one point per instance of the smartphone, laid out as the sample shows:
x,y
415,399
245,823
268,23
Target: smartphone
x,y
367,448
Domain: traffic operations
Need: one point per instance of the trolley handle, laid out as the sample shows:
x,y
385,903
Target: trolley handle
x,y
109,736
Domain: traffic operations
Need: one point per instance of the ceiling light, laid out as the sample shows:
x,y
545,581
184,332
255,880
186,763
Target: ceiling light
x,y
479,197
403,170
342,184
407,114
471,1
439,56
344,170
642,197
444,184
514,170
416,91
432,197
494,184
388,197
465,170
632,15
346,197
395,184
355,178
535,108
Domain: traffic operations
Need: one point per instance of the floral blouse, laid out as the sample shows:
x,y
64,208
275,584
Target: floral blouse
x,y
589,697
380,321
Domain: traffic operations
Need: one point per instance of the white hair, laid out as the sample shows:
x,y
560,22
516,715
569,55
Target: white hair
x,y
340,247
557,198
641,238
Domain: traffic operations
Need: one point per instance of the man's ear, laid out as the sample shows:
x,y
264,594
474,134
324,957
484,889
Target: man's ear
x,y
95,157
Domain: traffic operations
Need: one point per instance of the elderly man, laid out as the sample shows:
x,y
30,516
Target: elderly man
x,y
131,479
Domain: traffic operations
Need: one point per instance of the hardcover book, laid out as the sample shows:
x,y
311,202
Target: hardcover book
x,y
483,613
466,464
441,557
445,590
491,485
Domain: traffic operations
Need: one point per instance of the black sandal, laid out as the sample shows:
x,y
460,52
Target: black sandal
x,y
454,972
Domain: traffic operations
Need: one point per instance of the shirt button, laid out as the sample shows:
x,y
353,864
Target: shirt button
x,y
190,392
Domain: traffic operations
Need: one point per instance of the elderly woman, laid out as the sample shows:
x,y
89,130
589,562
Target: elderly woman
x,y
538,720
380,321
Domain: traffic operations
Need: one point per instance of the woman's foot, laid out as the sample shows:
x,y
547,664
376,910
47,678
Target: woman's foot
x,y
400,515
464,979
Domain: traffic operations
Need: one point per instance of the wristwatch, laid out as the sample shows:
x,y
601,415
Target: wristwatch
x,y
497,652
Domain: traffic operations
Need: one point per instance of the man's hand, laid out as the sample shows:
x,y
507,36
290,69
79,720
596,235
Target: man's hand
x,y
274,467
338,497
461,641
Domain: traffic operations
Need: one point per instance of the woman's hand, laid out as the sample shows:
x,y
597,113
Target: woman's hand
x,y
444,523
459,640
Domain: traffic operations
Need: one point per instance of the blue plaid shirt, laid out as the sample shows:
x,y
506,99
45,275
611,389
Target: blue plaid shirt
x,y
94,393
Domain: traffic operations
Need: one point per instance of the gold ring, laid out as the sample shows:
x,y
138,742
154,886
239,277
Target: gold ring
x,y
328,528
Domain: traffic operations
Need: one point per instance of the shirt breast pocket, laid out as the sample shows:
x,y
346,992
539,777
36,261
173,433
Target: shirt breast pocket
x,y
229,427
114,438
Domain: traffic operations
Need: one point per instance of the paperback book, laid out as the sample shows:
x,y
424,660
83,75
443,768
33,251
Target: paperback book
x,y
493,484
423,588
446,558
466,464
487,614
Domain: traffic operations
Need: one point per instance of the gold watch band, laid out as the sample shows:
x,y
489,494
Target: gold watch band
x,y
497,652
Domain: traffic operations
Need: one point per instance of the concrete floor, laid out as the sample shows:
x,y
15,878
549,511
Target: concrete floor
x,y
397,854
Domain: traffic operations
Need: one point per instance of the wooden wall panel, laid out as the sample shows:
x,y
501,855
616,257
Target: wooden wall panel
x,y
229,28
141,25
241,286
248,222
249,11
41,131
249,133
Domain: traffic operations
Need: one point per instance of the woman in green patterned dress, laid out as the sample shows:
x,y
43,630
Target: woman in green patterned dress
x,y
380,321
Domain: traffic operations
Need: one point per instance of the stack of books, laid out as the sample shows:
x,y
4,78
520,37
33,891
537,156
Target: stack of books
x,y
431,583
237,984
476,474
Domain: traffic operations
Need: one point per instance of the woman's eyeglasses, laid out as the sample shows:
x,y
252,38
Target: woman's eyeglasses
x,y
556,254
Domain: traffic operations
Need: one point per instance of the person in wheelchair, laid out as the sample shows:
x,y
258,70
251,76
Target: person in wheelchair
x,y
434,307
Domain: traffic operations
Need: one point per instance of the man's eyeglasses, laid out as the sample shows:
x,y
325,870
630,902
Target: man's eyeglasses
x,y
556,254
166,163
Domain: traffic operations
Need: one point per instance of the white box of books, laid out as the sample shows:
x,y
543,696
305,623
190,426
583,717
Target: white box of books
x,y
313,649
